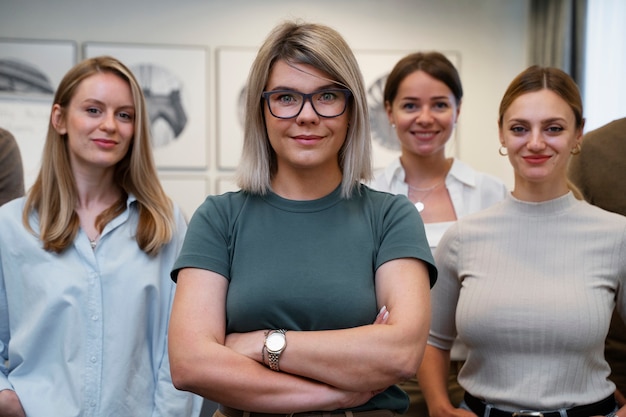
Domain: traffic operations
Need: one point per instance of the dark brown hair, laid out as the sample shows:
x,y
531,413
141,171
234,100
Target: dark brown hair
x,y
433,63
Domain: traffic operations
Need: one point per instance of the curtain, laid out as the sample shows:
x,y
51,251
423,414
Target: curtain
x,y
557,36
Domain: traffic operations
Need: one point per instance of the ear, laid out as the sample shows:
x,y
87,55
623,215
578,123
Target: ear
x,y
501,135
579,134
388,110
57,119
458,110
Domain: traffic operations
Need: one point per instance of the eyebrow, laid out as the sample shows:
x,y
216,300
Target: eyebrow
x,y
102,103
543,121
321,88
436,98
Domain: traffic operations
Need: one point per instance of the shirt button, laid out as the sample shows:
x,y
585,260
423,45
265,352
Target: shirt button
x,y
93,359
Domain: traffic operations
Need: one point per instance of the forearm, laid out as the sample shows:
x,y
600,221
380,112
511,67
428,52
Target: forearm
x,y
363,358
433,380
370,357
234,380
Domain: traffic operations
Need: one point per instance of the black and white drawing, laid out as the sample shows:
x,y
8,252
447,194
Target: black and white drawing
x,y
30,71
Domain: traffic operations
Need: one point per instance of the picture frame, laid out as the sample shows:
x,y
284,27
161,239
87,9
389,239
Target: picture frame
x,y
188,191
233,65
174,82
225,183
30,72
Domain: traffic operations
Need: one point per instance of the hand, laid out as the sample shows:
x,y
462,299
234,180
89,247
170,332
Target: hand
x,y
382,316
248,344
10,405
619,397
453,412
347,399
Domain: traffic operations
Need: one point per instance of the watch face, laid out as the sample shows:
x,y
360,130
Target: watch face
x,y
275,342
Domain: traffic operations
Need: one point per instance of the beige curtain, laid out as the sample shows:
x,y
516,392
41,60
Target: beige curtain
x,y
558,29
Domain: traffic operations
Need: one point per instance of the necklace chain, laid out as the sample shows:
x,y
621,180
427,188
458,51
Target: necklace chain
x,y
420,201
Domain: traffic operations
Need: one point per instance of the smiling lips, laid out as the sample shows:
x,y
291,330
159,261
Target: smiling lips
x,y
104,143
425,135
536,159
307,139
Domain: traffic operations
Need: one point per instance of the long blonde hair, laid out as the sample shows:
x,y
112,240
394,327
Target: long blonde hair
x,y
323,48
54,195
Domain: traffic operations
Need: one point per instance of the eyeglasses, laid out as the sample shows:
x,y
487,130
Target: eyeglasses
x,y
287,104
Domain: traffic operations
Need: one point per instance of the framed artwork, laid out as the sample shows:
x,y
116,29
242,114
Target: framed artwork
x,y
225,184
173,79
30,71
233,65
188,191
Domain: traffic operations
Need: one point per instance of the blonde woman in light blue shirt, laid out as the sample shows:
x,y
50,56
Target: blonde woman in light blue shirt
x,y
85,294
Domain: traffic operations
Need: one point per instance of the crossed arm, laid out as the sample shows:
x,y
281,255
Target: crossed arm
x,y
320,370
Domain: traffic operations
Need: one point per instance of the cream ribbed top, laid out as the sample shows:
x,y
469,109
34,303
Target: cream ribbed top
x,y
535,284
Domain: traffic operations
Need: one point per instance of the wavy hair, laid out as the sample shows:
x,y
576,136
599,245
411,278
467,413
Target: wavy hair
x,y
324,49
54,195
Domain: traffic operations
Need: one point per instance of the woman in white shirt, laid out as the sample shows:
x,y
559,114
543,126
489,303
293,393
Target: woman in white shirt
x,y
423,95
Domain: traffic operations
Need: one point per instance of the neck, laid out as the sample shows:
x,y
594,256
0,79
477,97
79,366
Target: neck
x,y
422,173
535,192
304,185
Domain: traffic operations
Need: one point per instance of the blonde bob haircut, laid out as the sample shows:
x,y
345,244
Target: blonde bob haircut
x,y
324,49
54,194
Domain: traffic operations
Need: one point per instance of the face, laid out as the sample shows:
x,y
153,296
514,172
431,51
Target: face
x,y
539,131
307,141
99,121
424,113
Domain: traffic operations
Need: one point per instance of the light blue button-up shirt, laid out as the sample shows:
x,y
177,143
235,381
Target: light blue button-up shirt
x,y
84,333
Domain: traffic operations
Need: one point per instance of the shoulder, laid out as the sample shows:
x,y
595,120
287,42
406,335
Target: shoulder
x,y
598,214
477,181
383,198
384,177
12,209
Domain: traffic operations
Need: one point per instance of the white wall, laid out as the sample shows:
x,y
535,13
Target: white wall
x,y
490,35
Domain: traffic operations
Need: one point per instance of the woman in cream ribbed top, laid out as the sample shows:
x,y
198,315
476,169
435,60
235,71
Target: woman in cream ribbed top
x,y
530,283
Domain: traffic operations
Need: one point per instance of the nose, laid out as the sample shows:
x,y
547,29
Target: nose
x,y
307,113
108,122
424,116
535,141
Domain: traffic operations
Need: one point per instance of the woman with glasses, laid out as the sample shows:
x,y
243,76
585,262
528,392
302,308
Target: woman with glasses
x,y
305,291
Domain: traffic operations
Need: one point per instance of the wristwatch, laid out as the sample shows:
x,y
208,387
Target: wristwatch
x,y
275,344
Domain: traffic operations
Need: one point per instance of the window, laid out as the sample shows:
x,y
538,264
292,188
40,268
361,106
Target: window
x,y
605,66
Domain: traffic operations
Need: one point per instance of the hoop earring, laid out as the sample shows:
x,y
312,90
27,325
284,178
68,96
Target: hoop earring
x,y
502,151
576,149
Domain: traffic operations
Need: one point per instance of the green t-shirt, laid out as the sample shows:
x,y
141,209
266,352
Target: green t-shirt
x,y
304,265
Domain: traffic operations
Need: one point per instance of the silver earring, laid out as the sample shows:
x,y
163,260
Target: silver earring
x,y
502,151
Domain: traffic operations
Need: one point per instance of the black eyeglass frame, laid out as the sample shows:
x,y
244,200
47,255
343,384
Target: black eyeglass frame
x,y
305,98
